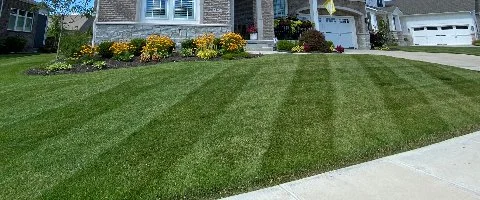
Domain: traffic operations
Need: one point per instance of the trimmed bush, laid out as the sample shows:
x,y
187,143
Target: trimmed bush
x,y
3,47
189,44
476,43
285,45
314,40
15,44
138,44
104,49
72,43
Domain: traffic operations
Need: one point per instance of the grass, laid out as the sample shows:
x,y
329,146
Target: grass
x,y
433,49
212,129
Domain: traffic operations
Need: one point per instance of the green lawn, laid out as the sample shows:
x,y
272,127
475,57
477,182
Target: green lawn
x,y
432,49
212,129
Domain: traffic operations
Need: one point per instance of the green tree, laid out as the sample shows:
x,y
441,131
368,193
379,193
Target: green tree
x,y
58,9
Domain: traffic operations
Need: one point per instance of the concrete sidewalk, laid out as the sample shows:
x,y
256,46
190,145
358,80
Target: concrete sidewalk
x,y
447,170
457,60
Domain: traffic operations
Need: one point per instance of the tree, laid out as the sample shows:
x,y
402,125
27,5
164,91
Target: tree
x,y
58,9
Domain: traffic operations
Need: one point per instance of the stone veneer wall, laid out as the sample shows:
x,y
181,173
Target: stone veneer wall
x,y
268,20
216,18
363,36
125,32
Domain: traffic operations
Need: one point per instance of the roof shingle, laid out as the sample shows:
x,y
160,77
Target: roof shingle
x,y
411,7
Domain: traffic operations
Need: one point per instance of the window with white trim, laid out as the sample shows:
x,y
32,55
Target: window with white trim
x,y
20,20
280,8
170,9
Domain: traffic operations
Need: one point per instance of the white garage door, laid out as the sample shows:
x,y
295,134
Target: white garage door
x,y
338,29
442,35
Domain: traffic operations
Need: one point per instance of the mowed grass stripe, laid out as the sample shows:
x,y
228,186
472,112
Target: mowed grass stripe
x,y
456,107
359,119
82,145
302,140
35,102
235,144
411,110
70,116
141,159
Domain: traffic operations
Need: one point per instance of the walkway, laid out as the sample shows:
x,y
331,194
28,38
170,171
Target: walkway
x,y
447,170
457,60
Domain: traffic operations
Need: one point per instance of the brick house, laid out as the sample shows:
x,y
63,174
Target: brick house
x,y
180,19
17,18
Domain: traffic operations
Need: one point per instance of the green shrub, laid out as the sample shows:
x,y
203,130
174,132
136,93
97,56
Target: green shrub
x,y
104,49
138,44
50,45
476,43
3,47
189,44
15,44
187,52
217,42
285,45
314,40
56,66
71,43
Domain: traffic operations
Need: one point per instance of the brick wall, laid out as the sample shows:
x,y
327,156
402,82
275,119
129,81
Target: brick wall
x,y
7,5
117,10
216,12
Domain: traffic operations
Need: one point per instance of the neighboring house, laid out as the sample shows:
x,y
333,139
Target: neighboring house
x,y
437,22
76,23
180,19
17,18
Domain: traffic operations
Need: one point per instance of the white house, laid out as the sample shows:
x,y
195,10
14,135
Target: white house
x,y
437,22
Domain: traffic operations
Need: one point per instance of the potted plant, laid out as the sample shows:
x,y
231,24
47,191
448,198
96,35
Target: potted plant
x,y
252,29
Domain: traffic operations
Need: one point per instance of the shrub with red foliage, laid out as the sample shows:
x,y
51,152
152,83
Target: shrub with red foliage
x,y
340,49
315,40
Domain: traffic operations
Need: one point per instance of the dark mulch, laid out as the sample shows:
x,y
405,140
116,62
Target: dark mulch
x,y
114,64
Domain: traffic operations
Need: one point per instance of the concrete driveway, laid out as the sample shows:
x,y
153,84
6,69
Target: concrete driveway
x,y
457,60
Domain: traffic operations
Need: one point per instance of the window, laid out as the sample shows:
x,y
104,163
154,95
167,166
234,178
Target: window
x,y
431,28
419,29
447,28
344,21
20,20
461,27
331,20
170,9
280,8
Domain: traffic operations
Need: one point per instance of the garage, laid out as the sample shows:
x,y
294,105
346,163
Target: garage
x,y
338,29
442,35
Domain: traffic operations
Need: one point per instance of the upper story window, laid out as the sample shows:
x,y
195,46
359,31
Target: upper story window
x,y
20,20
280,8
170,9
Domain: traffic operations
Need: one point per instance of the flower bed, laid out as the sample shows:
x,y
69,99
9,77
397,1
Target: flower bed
x,y
154,49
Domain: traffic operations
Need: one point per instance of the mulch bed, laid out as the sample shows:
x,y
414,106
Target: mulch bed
x,y
114,64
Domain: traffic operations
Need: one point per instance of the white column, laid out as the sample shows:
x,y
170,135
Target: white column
x,y
314,13
259,19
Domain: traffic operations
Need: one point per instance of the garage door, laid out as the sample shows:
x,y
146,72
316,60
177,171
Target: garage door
x,y
442,35
339,30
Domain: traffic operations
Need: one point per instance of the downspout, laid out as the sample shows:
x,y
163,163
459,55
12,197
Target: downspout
x,y
95,22
1,9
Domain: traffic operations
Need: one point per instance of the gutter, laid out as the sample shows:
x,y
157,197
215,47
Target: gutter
x,y
95,22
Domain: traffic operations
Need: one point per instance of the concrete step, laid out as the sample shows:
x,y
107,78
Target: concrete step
x,y
260,45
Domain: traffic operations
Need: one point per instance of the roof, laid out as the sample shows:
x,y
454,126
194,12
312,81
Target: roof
x,y
411,7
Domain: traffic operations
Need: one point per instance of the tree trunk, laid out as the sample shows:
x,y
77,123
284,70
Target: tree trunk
x,y
60,37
